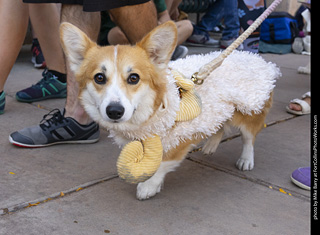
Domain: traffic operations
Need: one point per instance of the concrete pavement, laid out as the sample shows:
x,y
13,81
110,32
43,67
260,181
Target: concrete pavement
x,y
206,195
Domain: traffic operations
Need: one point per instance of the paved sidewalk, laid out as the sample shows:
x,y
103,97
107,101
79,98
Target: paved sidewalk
x,y
206,195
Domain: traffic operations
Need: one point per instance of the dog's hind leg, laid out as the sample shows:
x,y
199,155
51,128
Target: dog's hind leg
x,y
250,126
213,142
171,160
246,160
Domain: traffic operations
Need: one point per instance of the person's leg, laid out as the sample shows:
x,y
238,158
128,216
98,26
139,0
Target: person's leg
x,y
200,35
45,20
211,18
116,36
231,19
89,23
13,27
57,127
172,7
232,23
135,21
184,30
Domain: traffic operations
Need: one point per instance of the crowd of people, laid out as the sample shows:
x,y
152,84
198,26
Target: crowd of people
x,y
108,23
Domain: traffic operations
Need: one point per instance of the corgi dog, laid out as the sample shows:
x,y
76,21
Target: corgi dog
x,y
130,91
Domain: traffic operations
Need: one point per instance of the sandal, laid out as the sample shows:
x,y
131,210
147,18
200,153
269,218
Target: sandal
x,y
305,107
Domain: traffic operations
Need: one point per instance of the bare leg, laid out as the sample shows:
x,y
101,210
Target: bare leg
x,y
45,20
185,30
140,24
13,24
172,6
90,24
116,36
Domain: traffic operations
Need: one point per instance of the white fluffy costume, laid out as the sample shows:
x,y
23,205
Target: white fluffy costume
x,y
243,82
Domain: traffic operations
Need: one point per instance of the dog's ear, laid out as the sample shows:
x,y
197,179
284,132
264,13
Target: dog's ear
x,y
160,43
75,44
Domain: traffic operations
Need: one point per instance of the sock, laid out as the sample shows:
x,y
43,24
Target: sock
x,y
62,77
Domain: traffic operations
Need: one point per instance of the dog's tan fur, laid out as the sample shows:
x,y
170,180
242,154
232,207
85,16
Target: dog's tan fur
x,y
253,123
149,59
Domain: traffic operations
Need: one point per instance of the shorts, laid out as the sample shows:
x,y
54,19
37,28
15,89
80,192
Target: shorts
x,y
93,5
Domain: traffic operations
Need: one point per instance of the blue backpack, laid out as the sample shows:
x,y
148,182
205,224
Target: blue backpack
x,y
279,28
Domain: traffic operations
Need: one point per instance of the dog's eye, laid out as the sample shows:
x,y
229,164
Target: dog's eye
x,y
133,79
100,78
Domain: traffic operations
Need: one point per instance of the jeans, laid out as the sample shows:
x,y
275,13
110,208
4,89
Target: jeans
x,y
221,9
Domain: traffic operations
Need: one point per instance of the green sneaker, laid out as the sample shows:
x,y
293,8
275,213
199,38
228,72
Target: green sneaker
x,y
2,102
48,87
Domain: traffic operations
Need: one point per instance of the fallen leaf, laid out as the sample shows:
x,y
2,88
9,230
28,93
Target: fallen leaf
x,y
47,200
32,204
282,191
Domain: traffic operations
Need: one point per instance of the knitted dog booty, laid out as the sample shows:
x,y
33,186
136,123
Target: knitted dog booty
x,y
138,161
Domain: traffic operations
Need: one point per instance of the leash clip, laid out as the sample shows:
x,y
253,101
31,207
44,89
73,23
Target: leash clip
x,y
196,80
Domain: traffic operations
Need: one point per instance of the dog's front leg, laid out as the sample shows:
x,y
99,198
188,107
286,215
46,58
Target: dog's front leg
x,y
171,160
152,186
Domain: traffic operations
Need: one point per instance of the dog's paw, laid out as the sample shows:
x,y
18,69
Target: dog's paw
x,y
148,189
212,143
245,164
208,148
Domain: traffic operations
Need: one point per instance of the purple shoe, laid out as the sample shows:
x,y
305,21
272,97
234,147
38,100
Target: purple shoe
x,y
302,177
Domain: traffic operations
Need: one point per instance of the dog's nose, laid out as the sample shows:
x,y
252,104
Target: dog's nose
x,y
115,111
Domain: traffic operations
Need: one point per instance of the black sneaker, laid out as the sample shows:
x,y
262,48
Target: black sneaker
x,y
179,52
55,129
